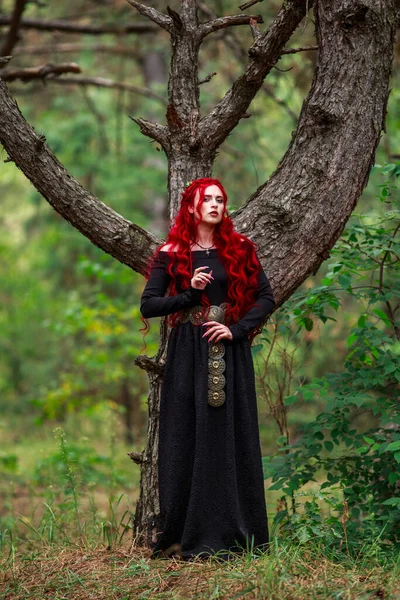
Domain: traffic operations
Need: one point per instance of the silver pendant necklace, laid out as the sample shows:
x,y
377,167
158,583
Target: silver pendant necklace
x,y
204,248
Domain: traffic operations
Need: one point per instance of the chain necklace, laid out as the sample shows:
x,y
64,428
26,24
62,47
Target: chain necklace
x,y
204,248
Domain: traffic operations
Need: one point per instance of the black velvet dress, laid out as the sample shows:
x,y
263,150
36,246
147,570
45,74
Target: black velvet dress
x,y
211,484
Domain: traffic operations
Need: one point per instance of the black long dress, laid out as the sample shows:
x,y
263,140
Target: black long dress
x,y
211,485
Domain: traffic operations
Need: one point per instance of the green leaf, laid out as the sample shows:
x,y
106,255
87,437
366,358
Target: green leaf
x,y
391,501
369,440
290,400
393,446
344,280
362,321
351,339
382,315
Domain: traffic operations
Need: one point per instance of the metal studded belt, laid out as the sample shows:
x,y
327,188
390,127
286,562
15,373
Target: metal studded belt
x,y
216,350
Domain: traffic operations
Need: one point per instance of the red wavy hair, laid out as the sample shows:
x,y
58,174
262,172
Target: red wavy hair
x,y
236,251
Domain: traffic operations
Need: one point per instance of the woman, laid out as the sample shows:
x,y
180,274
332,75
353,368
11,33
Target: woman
x,y
211,483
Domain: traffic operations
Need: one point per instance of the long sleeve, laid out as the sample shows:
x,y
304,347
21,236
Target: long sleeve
x,y
154,304
265,304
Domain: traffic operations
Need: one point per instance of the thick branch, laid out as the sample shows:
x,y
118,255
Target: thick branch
x,y
230,21
154,15
41,72
12,36
66,26
297,216
264,53
128,243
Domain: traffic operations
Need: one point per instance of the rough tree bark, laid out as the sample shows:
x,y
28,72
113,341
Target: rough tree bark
x,y
297,215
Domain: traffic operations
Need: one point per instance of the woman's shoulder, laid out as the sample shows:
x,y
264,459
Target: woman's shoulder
x,y
168,247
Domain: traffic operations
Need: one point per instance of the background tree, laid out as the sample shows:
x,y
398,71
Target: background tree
x,y
298,214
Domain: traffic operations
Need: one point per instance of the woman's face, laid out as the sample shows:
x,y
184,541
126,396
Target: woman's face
x,y
212,209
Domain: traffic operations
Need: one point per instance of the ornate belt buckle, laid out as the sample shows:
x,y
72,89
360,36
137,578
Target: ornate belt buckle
x,y
195,315
216,313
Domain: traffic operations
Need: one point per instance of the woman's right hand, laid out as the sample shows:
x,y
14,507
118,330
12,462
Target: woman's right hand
x,y
199,279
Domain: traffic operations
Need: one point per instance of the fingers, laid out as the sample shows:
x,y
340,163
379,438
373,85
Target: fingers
x,y
197,273
202,278
216,331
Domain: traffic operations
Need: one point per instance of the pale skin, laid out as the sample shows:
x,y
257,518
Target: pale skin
x,y
213,202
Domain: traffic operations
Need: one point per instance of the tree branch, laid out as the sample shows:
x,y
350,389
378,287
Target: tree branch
x,y
266,50
65,26
230,21
263,55
157,132
154,15
50,48
207,78
249,4
303,49
107,83
299,213
125,241
42,72
12,36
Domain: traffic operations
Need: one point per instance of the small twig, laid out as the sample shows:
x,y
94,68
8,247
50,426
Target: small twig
x,y
302,49
249,4
137,457
269,92
283,70
255,32
208,78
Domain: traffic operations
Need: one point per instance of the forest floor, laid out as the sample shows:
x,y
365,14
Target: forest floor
x,y
67,498
126,572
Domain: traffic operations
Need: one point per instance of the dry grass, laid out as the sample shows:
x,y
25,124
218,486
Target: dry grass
x,y
128,573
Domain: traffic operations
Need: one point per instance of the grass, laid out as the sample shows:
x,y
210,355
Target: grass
x,y
126,572
65,533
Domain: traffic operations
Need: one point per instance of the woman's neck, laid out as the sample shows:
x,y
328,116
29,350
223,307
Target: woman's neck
x,y
205,236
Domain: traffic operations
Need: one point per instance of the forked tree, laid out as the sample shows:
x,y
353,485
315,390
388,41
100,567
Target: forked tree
x,y
298,214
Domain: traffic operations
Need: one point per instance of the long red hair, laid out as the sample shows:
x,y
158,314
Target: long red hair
x,y
235,250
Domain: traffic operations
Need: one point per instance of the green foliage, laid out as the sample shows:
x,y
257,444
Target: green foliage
x,y
361,461
77,460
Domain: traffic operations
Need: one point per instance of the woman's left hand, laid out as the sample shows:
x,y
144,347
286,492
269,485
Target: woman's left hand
x,y
217,331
